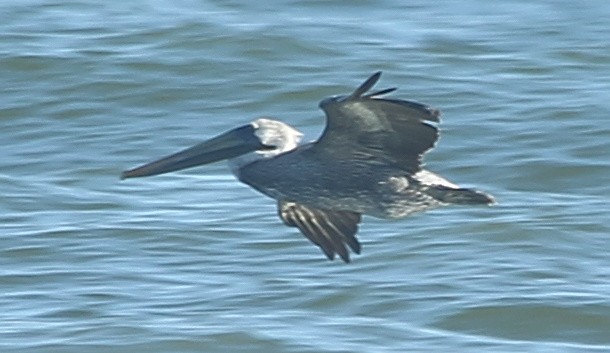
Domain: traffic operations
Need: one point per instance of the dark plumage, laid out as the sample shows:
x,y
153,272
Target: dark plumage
x,y
367,161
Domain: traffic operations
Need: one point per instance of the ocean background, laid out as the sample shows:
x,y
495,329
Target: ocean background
x,y
194,261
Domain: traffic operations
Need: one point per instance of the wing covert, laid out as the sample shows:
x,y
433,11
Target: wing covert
x,y
390,129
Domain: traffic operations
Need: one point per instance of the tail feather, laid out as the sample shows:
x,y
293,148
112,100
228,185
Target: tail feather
x,y
461,196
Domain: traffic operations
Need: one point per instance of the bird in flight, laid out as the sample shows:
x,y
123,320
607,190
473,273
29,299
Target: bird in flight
x,y
367,161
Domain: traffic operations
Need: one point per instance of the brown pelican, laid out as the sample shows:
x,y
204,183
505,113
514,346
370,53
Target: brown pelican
x,y
367,161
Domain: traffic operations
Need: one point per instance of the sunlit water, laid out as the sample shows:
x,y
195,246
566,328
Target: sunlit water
x,y
196,262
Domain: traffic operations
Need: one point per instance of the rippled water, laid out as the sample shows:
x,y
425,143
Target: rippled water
x,y
196,262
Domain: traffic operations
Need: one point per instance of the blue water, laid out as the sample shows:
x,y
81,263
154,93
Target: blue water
x,y
196,262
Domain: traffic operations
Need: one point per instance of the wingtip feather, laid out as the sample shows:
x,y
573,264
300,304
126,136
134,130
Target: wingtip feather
x,y
367,85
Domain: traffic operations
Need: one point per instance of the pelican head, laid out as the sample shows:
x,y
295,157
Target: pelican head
x,y
265,137
276,135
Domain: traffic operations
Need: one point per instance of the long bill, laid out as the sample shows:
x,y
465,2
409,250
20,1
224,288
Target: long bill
x,y
231,144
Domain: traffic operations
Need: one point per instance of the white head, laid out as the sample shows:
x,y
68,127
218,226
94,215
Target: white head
x,y
279,137
275,136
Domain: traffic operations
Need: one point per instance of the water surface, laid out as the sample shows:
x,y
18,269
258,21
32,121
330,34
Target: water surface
x,y
196,262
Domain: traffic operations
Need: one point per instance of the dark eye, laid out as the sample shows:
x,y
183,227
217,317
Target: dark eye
x,y
268,147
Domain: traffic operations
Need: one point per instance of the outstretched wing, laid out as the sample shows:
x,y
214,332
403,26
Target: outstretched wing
x,y
330,230
366,126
